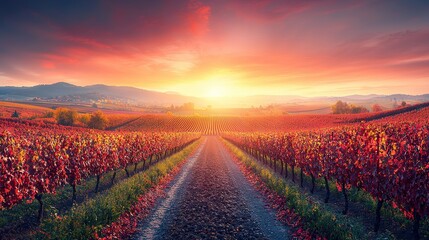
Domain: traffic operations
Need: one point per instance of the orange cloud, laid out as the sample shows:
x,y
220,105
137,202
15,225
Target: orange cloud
x,y
245,47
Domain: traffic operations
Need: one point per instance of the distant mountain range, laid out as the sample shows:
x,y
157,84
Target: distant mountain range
x,y
70,92
63,91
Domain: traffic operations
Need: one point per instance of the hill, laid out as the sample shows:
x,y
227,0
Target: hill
x,y
67,92
121,95
24,110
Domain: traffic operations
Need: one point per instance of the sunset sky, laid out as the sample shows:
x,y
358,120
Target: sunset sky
x,y
220,47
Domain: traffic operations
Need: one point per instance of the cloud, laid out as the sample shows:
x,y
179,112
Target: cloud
x,y
265,44
198,18
401,52
275,10
268,10
409,43
82,35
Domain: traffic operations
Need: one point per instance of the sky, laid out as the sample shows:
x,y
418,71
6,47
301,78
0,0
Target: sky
x,y
219,48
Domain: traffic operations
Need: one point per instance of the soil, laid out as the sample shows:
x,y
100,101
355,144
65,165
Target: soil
x,y
211,199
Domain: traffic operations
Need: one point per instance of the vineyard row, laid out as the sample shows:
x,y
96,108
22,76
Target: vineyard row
x,y
36,161
389,161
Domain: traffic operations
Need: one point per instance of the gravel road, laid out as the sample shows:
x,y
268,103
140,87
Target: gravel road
x,y
211,199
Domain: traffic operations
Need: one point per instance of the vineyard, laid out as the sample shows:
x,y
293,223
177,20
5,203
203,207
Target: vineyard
x,y
217,124
197,119
389,161
387,158
37,159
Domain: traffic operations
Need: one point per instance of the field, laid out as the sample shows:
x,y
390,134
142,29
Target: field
x,y
215,125
25,110
196,119
324,176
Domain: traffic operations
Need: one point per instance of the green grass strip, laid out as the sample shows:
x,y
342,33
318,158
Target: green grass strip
x,y
315,217
92,215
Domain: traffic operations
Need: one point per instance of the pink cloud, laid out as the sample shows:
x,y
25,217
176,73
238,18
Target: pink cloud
x,y
198,18
47,64
263,42
397,48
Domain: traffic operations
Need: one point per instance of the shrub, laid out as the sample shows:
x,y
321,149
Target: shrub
x,y
98,120
48,114
84,119
66,117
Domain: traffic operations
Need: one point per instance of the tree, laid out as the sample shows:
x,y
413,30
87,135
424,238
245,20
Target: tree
x,y
15,114
188,106
66,117
84,119
48,114
376,108
98,120
340,107
358,109
403,104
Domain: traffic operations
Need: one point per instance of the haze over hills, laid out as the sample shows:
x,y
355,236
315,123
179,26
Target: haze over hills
x,y
92,93
63,91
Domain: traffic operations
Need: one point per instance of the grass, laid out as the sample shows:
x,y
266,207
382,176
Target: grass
x,y
93,214
316,217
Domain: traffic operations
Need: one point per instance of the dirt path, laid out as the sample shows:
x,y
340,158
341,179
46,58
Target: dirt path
x,y
211,199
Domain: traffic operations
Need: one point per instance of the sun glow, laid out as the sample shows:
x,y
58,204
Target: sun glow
x,y
217,86
215,92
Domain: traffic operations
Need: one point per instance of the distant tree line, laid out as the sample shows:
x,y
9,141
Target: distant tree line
x,y
69,117
189,106
341,107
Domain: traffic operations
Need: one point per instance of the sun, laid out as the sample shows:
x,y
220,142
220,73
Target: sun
x,y
218,88
215,91
215,87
